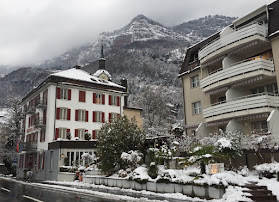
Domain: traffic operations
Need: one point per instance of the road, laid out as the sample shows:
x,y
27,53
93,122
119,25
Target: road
x,y
11,191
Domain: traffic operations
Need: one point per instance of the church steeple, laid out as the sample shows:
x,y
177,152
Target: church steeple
x,y
102,61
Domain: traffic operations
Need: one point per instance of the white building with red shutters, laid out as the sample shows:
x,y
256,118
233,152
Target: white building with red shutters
x,y
66,103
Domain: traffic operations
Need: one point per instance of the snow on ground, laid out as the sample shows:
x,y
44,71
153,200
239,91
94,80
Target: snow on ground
x,y
272,185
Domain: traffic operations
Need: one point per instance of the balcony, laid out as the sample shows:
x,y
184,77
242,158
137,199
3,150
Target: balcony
x,y
30,110
41,104
244,35
40,123
240,71
252,104
21,115
21,131
29,146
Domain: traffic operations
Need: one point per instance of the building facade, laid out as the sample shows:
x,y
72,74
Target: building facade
x,y
230,80
58,114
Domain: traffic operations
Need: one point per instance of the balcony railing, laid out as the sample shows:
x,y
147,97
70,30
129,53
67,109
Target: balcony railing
x,y
241,68
29,146
245,103
41,104
22,131
254,29
21,115
40,123
30,110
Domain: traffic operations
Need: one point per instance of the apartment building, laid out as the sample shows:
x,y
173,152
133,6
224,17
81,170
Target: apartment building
x,y
58,113
230,80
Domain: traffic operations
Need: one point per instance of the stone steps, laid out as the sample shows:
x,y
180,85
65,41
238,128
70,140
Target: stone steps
x,y
260,193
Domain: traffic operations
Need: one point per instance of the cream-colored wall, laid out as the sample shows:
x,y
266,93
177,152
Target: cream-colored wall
x,y
192,95
132,115
275,52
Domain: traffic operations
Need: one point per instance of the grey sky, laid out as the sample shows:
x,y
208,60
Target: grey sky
x,y
36,30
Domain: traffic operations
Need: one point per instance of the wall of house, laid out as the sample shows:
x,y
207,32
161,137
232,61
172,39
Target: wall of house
x,y
89,106
134,115
192,95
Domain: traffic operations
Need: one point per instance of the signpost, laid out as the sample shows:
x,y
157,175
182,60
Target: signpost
x,y
215,168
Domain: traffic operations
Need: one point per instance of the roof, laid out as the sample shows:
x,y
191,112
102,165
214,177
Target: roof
x,y
100,71
273,23
133,108
81,75
78,77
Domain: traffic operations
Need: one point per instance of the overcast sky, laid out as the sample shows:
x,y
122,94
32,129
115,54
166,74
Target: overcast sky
x,y
35,30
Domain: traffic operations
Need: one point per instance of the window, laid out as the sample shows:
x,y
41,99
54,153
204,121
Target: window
x,y
63,93
43,135
98,98
113,116
196,107
195,82
62,133
74,157
114,100
98,116
63,113
81,115
270,88
82,96
259,127
194,56
81,133
95,134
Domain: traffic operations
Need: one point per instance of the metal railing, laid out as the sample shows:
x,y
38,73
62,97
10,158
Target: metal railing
x,y
40,103
29,146
40,122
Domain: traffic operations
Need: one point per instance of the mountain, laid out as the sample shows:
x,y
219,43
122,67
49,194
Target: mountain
x,y
144,52
202,28
139,33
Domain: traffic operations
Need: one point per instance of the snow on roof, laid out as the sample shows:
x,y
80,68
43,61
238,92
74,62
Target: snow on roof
x,y
100,71
81,75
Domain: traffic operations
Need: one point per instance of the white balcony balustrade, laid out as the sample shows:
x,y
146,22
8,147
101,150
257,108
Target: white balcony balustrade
x,y
242,106
239,71
242,33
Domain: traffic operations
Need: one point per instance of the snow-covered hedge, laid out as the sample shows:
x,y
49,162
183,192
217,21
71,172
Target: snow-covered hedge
x,y
268,167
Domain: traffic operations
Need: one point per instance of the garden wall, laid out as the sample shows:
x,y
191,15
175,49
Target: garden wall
x,y
208,192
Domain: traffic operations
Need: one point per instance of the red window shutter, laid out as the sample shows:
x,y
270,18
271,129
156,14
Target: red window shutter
x,y
86,116
58,93
103,99
33,137
118,101
57,133
109,99
110,117
29,123
76,115
82,96
76,132
69,114
93,134
46,95
94,116
44,116
103,117
94,97
57,113
69,94
86,130
68,131
43,166
41,136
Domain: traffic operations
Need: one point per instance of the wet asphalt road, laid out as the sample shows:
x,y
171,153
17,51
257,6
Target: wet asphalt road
x,y
11,191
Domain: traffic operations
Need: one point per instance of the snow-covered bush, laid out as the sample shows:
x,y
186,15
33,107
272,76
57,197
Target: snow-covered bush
x,y
87,136
267,170
132,158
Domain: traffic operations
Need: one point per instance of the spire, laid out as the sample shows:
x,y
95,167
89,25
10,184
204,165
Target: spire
x,y
102,61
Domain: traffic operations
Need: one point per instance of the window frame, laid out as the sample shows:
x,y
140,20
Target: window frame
x,y
196,108
195,81
81,115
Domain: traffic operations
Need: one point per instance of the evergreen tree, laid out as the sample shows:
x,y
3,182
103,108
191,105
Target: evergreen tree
x,y
115,138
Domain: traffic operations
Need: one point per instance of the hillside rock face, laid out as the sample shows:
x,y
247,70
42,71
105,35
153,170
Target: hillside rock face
x,y
144,52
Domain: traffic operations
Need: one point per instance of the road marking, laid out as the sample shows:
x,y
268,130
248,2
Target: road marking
x,y
34,199
5,189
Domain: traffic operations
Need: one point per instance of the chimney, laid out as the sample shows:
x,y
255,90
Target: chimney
x,y
124,83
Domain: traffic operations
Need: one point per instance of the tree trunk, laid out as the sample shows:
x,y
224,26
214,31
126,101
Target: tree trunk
x,y
202,168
